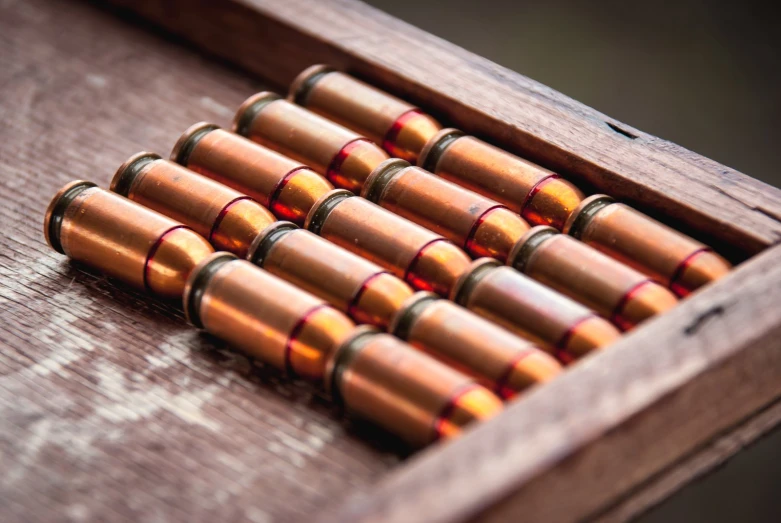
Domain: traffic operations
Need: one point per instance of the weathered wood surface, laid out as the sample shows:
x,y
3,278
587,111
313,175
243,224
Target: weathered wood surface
x,y
278,38
584,444
111,408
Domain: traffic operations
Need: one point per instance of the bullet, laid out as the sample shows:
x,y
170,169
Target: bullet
x,y
480,226
420,399
503,295
617,292
345,158
362,289
351,284
425,260
284,186
228,219
374,375
664,254
123,239
499,360
400,128
540,196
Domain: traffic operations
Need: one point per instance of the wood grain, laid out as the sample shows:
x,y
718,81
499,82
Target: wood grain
x,y
278,38
574,448
111,408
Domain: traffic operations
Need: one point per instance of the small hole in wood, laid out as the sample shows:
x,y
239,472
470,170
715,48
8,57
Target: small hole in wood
x,y
621,131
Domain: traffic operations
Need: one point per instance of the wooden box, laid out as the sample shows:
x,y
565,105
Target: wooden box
x,y
114,409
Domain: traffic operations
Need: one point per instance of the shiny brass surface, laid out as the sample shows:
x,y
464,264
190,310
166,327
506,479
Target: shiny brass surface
x,y
496,358
400,128
406,391
281,184
537,194
424,259
374,375
348,282
664,254
345,158
264,316
123,239
229,220
612,289
480,226
502,294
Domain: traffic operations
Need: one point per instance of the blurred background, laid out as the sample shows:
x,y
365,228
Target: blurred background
x,y
705,75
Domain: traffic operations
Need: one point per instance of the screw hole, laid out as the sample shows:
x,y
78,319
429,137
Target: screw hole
x,y
621,131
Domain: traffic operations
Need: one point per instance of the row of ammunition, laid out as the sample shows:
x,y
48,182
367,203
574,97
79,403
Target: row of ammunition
x,y
385,260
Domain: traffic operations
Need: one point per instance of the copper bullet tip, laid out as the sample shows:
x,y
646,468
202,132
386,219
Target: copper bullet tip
x,y
380,175
701,268
472,403
198,281
643,302
189,139
591,334
305,81
52,222
324,205
429,156
128,171
242,122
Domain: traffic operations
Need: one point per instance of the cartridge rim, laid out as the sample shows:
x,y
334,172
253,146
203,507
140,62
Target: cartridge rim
x,y
323,207
303,84
247,111
263,242
435,148
55,213
128,172
382,174
466,283
579,219
522,251
345,354
197,283
189,139
402,322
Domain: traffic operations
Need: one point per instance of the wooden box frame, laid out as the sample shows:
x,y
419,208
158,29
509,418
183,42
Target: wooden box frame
x,y
623,429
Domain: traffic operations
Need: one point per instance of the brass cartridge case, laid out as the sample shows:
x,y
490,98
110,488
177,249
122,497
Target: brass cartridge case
x,y
229,220
480,226
501,294
345,158
614,290
370,295
362,289
425,260
374,375
266,317
667,256
420,399
280,184
493,356
537,194
123,239
400,128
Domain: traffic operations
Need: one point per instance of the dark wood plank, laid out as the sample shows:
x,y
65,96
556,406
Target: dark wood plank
x,y
590,439
709,457
278,38
112,408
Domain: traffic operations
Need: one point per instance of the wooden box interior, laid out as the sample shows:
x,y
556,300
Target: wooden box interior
x,y
114,407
